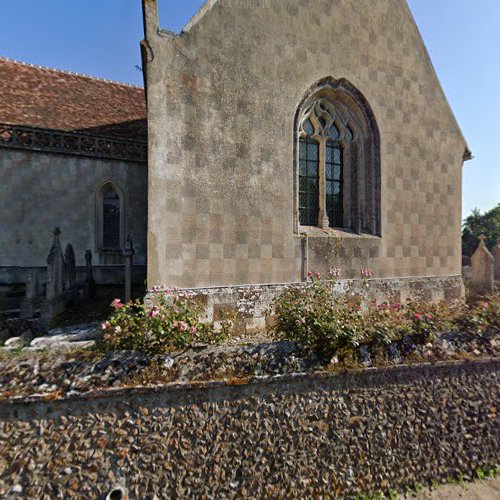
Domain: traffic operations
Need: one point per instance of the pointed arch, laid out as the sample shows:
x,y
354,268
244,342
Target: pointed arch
x,y
337,115
110,216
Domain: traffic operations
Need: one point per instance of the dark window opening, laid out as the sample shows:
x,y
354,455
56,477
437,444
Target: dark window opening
x,y
334,181
308,182
111,220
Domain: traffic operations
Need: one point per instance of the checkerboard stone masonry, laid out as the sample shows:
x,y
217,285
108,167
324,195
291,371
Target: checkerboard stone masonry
x,y
222,98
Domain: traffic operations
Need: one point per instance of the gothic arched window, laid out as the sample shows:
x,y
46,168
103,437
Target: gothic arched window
x,y
338,160
111,219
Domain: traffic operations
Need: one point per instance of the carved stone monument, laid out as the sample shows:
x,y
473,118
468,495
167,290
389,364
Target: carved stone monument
x,y
482,282
54,296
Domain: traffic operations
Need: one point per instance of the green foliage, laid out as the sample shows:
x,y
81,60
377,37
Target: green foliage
x,y
170,322
479,318
476,224
318,318
325,321
385,323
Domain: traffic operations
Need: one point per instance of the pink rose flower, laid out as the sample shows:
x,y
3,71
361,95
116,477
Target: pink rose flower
x,y
417,316
334,272
105,325
428,316
154,312
192,330
484,304
117,304
366,272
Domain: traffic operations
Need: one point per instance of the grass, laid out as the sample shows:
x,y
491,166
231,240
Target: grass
x,y
460,480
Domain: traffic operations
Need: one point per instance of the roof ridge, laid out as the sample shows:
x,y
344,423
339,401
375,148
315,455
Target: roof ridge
x,y
73,73
198,15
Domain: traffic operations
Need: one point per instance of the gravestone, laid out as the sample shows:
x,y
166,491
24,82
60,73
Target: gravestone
x,y
482,281
54,296
128,253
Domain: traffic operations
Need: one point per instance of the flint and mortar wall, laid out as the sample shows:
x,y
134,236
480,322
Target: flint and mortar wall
x,y
39,191
297,436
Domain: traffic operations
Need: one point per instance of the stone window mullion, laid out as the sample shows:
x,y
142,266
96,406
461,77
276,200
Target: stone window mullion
x,y
323,220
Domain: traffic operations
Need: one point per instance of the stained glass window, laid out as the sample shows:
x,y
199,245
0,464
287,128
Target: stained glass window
x,y
111,219
333,183
308,182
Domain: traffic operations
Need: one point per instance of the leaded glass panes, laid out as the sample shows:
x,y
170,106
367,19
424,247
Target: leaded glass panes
x,y
333,180
308,182
328,127
111,219
308,127
333,132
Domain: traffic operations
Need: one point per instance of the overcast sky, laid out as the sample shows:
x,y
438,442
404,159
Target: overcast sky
x,y
100,38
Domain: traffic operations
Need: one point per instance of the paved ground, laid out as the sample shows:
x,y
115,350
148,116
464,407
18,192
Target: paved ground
x,y
479,490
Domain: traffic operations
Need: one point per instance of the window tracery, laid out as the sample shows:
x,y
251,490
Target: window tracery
x,y
338,160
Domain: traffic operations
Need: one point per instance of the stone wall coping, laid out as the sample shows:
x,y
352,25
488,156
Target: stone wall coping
x,y
301,283
177,394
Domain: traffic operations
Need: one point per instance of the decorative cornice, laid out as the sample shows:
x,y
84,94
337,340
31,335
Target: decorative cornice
x,y
71,143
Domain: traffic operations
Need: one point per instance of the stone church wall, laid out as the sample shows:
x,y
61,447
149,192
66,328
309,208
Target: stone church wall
x,y
39,191
222,100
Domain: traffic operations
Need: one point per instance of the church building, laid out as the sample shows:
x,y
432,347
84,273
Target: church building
x,y
273,138
73,155
289,136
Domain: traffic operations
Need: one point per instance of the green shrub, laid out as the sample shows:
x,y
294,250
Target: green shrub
x,y
385,323
318,318
480,318
427,319
170,322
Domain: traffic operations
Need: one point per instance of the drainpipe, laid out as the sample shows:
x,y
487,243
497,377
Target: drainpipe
x,y
304,244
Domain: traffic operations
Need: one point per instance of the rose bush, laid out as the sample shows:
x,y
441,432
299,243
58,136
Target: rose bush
x,y
170,322
324,320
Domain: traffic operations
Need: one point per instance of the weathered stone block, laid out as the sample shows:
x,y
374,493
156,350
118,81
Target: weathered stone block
x,y
255,325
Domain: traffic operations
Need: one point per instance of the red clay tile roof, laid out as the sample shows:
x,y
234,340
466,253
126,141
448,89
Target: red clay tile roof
x,y
53,99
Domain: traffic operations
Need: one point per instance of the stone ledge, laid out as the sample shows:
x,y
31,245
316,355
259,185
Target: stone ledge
x,y
177,394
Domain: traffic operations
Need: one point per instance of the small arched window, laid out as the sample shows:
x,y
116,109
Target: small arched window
x,y
338,170
111,219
